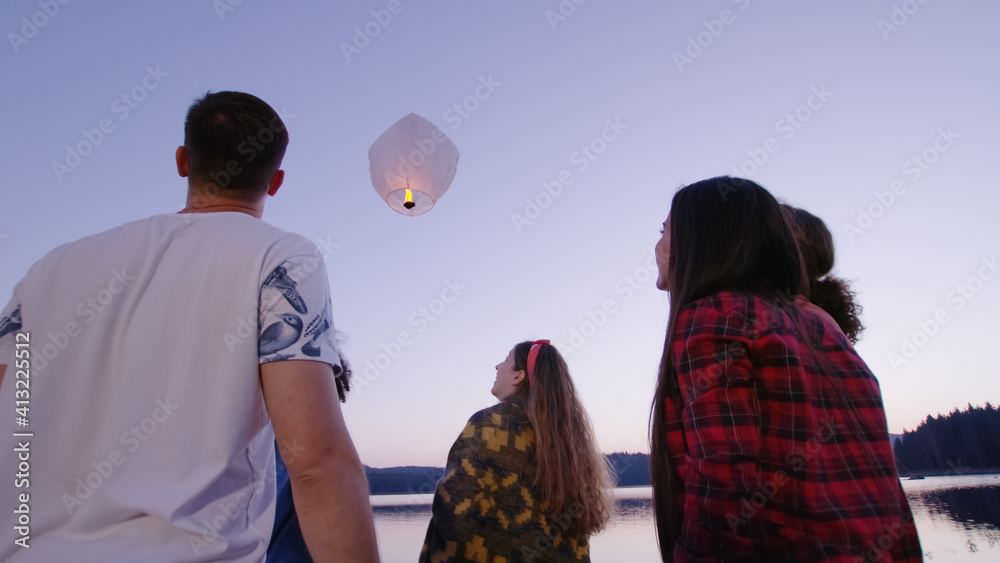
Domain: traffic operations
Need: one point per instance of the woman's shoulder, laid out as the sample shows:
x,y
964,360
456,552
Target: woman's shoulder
x,y
501,414
725,310
720,303
811,308
734,314
503,427
731,301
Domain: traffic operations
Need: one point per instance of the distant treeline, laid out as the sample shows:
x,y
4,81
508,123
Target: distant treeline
x,y
960,442
403,480
632,470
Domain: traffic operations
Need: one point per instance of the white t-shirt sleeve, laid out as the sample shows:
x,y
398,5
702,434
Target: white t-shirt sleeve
x,y
10,323
294,317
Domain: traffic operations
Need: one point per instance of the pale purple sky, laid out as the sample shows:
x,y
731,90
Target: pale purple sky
x,y
834,106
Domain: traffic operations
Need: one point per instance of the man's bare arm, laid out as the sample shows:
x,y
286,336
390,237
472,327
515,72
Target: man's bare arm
x,y
328,480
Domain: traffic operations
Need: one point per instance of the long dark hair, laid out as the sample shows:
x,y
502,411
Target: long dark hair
x,y
725,234
828,292
573,476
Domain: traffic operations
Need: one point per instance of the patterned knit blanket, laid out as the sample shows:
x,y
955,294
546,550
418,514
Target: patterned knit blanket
x,y
485,508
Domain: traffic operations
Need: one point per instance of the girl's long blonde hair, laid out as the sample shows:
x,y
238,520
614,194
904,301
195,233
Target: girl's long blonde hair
x,y
573,477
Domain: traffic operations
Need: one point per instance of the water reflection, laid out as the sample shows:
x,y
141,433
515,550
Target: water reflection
x,y
977,507
403,513
957,517
631,509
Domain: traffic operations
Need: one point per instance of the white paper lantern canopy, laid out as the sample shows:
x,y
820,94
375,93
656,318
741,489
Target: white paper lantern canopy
x,y
412,164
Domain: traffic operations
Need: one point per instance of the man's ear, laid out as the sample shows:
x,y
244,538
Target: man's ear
x,y
182,161
276,181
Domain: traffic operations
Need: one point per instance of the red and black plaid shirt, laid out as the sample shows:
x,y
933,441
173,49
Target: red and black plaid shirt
x,y
780,439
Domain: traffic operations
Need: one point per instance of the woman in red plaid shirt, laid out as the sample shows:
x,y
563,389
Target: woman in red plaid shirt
x,y
769,437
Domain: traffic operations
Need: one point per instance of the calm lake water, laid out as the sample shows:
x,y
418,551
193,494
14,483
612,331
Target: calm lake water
x,y
957,517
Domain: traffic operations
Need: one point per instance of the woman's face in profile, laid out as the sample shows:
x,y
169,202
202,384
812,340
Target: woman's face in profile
x,y
507,379
662,253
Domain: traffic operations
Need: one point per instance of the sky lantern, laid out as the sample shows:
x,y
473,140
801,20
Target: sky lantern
x,y
412,165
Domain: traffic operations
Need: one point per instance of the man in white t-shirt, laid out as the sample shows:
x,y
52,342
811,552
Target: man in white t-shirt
x,y
153,365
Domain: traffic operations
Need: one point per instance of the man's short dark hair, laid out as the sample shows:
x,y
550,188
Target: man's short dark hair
x,y
234,141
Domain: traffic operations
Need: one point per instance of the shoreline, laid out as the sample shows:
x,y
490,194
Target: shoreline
x,y
950,473
902,477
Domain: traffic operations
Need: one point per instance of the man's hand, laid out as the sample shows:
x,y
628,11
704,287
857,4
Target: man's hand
x,y
328,480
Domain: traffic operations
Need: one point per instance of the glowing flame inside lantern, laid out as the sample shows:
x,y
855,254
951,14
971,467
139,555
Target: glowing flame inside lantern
x,y
409,199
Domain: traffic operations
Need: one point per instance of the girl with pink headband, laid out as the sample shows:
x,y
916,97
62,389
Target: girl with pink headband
x,y
525,481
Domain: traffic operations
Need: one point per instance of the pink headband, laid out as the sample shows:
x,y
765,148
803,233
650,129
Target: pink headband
x,y
532,356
